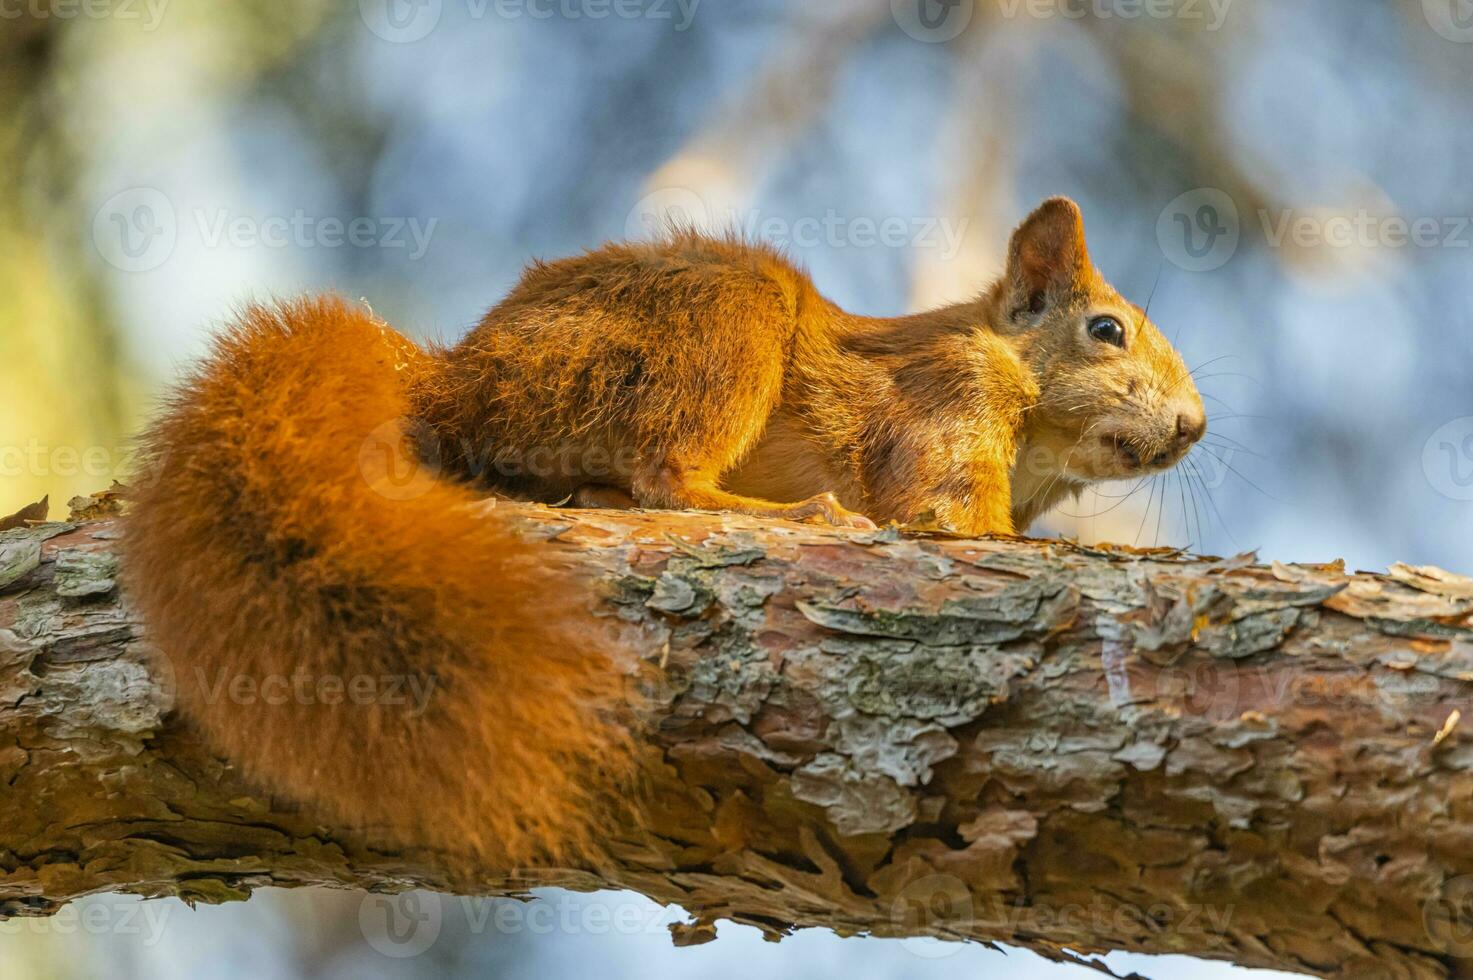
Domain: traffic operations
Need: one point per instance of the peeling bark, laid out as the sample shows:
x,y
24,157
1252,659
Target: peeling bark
x,y
1028,742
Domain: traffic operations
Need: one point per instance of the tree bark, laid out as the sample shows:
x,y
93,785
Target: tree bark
x,y
1030,742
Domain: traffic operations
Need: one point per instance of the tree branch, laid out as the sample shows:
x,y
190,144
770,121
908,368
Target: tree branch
x,y
1027,742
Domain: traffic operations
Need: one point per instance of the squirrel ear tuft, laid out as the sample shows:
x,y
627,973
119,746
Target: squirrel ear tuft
x,y
1047,253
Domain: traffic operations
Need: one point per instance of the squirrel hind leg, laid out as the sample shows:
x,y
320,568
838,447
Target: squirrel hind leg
x,y
673,486
604,497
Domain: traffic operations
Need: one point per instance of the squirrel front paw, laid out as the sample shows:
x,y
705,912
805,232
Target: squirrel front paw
x,y
825,508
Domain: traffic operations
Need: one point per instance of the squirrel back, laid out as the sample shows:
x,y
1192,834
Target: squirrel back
x,y
342,633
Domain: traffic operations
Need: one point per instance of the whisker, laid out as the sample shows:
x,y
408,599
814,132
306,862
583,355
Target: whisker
x,y
1193,482
1231,445
1183,374
1222,435
1196,509
1149,499
1146,310
1185,518
1161,512
1118,502
1212,503
1123,496
1063,465
1232,469
1228,374
1208,363
1235,417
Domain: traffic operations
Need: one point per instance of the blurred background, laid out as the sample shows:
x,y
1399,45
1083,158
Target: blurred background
x,y
1287,183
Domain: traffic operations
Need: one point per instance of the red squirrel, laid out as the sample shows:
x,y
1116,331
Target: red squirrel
x,y
693,372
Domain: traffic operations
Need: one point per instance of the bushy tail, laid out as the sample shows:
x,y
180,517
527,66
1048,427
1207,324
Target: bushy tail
x,y
351,629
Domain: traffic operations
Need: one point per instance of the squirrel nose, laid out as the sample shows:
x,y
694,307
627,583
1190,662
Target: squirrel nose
x,y
1190,427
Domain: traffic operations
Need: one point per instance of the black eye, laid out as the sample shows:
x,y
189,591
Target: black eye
x,y
1107,330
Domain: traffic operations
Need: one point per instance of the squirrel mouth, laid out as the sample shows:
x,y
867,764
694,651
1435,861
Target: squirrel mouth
x,y
1132,456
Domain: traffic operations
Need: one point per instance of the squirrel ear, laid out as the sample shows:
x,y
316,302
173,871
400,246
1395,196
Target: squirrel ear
x,y
1047,253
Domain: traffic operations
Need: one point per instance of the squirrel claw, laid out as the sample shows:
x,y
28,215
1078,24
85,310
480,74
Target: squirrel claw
x,y
824,508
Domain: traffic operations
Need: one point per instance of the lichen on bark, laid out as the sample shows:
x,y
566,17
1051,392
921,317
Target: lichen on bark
x,y
1065,748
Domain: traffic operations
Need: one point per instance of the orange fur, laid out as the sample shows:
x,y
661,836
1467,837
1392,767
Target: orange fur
x,y
274,533
709,373
264,541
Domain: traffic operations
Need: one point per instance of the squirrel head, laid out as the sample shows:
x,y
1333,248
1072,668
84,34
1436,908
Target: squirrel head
x,y
1115,398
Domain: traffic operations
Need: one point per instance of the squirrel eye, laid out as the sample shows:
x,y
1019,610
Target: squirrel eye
x,y
1107,330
